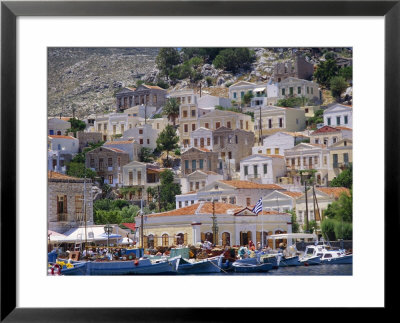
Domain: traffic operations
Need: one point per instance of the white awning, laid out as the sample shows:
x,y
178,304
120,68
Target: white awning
x,y
293,236
259,89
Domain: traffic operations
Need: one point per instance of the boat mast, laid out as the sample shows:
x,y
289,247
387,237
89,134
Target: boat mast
x,y
84,208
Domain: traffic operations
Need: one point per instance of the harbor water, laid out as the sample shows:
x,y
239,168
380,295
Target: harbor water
x,y
317,270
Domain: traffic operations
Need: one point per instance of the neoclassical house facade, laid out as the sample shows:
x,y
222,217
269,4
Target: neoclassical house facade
x,y
193,224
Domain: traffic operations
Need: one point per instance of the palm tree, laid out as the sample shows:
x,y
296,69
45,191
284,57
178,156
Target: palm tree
x,y
171,109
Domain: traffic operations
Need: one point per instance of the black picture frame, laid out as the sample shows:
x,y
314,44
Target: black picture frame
x,y
10,10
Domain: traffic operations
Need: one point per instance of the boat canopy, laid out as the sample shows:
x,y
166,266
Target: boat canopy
x,y
293,236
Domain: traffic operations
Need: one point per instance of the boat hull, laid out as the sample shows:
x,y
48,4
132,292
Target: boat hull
x,y
249,268
142,267
79,269
347,259
310,261
201,267
288,262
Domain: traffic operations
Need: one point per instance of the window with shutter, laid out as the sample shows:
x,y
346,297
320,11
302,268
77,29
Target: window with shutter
x,y
155,241
145,242
185,239
65,205
203,236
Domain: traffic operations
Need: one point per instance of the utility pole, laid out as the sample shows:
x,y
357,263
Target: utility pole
x,y
159,198
141,224
214,226
200,89
260,130
306,215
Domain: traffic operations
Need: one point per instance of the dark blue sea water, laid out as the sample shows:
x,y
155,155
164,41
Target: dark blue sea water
x,y
317,270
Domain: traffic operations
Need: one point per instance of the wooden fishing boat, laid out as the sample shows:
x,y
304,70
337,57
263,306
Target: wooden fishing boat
x,y
136,267
251,268
204,266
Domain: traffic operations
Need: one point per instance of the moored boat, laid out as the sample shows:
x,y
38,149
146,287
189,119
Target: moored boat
x,y
137,267
289,261
251,268
208,265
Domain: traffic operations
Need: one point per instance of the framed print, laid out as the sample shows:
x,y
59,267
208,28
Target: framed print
x,y
90,98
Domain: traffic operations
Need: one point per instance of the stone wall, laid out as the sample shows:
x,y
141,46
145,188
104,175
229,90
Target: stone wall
x,y
71,189
86,138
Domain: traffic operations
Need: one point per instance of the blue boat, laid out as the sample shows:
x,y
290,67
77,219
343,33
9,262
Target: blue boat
x,y
336,257
289,261
272,259
251,268
78,269
204,266
136,267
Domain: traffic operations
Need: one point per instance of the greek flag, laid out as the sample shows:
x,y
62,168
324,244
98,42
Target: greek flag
x,y
258,207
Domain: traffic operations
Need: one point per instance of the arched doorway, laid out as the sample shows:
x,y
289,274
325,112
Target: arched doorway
x,y
150,241
226,239
209,237
245,237
180,239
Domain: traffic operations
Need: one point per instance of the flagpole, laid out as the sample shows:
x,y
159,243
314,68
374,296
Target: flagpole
x,y
262,223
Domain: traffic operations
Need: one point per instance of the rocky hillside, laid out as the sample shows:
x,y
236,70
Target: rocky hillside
x,y
86,79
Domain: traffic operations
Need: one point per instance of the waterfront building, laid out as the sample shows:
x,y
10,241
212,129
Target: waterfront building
x,y
277,143
60,151
57,126
280,201
340,157
193,224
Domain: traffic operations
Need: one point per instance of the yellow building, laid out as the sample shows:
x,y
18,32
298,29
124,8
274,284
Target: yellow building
x,y
188,122
222,118
193,224
340,156
274,119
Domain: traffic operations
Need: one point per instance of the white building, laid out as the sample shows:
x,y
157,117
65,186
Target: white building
x,y
56,126
281,201
306,156
299,88
233,191
145,135
277,143
61,149
339,115
198,180
202,137
264,169
210,101
131,147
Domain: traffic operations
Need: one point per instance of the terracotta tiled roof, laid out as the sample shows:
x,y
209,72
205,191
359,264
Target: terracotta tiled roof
x,y
294,134
292,194
61,137
209,172
334,191
343,128
188,193
131,88
325,129
153,87
249,185
55,175
122,142
272,156
264,212
117,150
204,149
206,208
131,226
